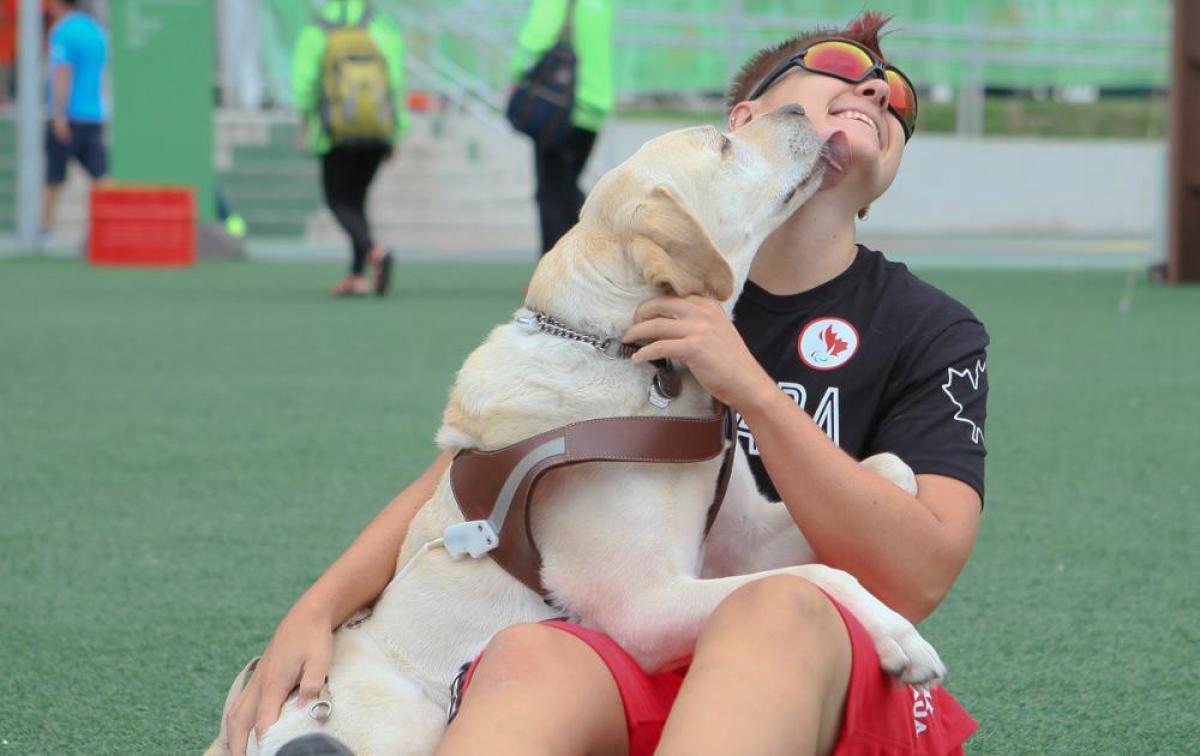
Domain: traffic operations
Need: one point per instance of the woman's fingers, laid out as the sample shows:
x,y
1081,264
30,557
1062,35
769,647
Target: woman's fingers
x,y
240,717
655,329
274,693
299,654
315,669
666,306
666,349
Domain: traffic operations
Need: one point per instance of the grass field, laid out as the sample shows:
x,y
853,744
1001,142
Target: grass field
x,y
183,451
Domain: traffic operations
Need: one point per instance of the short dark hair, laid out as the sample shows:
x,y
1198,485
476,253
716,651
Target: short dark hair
x,y
864,30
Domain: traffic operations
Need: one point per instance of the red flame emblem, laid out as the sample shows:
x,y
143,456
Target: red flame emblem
x,y
833,345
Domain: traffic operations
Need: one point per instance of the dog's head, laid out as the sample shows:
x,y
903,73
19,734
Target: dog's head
x,y
690,208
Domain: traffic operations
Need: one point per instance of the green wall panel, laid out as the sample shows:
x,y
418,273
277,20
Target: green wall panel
x,y
162,89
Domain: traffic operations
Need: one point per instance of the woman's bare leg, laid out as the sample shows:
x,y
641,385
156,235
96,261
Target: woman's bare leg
x,y
538,690
769,676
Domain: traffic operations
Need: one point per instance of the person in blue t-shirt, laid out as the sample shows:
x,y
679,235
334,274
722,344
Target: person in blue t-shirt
x,y
78,54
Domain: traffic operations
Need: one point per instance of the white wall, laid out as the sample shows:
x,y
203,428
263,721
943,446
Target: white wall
x,y
465,188
957,185
952,185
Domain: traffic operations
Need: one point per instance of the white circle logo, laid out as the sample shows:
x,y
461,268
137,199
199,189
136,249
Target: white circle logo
x,y
827,343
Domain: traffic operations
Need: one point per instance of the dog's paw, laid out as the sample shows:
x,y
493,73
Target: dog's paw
x,y
894,469
905,654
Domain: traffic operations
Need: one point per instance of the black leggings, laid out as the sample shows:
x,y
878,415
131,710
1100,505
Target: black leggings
x,y
346,174
558,194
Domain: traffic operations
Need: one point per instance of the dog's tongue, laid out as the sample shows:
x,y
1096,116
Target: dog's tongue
x,y
835,151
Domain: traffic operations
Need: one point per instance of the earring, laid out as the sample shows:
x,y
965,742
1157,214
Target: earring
x,y
864,213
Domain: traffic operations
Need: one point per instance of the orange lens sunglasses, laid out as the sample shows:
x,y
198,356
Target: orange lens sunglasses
x,y
851,62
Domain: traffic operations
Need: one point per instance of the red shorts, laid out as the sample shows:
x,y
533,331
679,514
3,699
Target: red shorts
x,y
882,715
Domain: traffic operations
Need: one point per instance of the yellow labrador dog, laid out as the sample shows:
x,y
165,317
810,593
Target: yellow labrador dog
x,y
622,544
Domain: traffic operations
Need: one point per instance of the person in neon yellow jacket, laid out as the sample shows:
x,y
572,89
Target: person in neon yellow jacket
x,y
559,197
347,169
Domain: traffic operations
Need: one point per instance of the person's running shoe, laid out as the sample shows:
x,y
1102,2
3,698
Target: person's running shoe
x,y
351,286
383,273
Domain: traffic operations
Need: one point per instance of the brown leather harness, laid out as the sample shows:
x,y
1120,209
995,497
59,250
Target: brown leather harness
x,y
497,486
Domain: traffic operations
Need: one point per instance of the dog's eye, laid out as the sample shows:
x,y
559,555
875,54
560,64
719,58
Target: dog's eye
x,y
726,145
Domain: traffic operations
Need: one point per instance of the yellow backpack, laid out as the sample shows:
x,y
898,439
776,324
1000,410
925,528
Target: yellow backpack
x,y
357,108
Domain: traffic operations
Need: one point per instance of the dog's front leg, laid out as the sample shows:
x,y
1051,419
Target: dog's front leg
x,y
752,533
753,537
661,625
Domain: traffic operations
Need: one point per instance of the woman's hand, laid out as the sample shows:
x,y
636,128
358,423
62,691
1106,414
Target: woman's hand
x,y
298,655
696,331
300,652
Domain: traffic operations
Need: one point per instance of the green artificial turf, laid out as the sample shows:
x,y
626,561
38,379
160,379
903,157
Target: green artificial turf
x,y
183,451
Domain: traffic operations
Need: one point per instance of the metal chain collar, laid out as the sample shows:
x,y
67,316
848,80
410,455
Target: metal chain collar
x,y
663,388
609,347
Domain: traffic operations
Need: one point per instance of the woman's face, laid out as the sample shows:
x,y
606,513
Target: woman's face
x,y
860,111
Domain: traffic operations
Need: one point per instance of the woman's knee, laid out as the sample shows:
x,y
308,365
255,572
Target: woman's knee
x,y
536,654
780,606
779,649
551,690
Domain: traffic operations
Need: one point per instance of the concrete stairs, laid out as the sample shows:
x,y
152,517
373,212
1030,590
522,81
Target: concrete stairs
x,y
456,186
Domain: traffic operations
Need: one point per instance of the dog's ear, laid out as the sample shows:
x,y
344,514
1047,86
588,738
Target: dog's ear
x,y
673,250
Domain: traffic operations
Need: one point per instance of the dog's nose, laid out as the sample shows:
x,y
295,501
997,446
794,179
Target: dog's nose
x,y
793,109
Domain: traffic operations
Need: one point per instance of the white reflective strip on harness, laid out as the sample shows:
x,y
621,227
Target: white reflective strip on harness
x,y
552,448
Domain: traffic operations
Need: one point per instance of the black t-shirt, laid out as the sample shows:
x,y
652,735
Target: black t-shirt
x,y
882,361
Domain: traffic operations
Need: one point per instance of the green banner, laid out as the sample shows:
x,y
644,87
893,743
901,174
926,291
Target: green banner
x,y
162,90
696,45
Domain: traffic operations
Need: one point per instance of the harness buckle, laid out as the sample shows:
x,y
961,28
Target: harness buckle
x,y
475,537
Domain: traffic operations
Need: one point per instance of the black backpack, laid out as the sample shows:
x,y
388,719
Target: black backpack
x,y
541,102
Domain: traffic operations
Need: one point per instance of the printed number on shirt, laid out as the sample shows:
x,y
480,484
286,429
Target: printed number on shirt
x,y
827,414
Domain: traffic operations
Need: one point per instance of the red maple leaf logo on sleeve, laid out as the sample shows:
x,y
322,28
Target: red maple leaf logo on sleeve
x,y
833,344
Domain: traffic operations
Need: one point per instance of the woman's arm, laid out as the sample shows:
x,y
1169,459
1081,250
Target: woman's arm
x,y
300,651
361,573
906,550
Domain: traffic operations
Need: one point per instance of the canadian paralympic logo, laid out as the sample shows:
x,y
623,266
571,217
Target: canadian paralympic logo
x,y
827,343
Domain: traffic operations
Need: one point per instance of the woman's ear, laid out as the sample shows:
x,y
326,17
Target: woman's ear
x,y
742,114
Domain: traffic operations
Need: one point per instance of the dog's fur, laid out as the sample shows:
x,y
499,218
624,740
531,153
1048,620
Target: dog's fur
x,y
622,544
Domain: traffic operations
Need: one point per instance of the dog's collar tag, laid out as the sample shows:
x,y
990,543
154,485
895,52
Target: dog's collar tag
x,y
657,398
666,384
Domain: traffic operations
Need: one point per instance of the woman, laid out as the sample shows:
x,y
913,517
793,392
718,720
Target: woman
x,y
557,168
349,164
869,359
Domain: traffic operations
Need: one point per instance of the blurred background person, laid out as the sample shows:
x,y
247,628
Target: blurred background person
x,y
348,81
78,54
558,168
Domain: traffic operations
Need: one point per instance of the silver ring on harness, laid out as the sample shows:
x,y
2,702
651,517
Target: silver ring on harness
x,y
321,709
